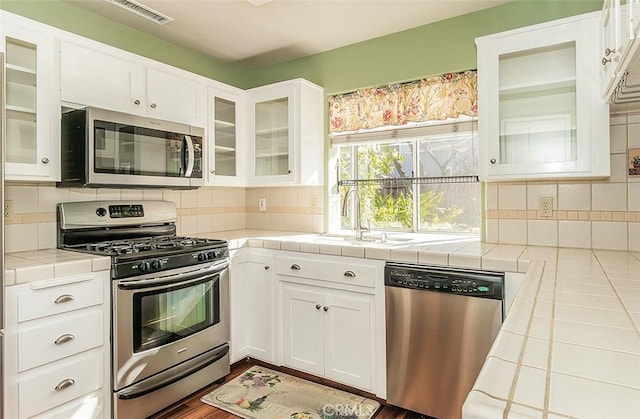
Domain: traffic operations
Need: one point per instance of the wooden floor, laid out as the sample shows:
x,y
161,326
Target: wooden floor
x,y
192,408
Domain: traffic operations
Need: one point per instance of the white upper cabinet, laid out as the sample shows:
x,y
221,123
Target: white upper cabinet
x,y
32,101
541,114
108,78
617,28
286,122
227,137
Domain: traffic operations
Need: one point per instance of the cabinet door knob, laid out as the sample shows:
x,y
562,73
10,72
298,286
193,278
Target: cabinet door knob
x,y
266,267
64,298
608,52
64,338
136,102
45,160
64,384
605,61
493,160
295,267
326,308
213,172
318,306
153,106
350,274
289,170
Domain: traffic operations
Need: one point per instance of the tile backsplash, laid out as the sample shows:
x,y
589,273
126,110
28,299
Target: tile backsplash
x,y
32,224
598,214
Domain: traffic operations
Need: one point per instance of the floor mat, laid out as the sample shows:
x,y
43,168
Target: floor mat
x,y
261,393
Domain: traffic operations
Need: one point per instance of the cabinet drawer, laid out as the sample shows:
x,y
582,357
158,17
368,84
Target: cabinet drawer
x,y
90,406
327,269
39,301
74,333
37,392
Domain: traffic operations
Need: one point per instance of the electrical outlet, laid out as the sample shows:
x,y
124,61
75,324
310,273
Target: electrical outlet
x,y
262,204
546,206
314,203
8,209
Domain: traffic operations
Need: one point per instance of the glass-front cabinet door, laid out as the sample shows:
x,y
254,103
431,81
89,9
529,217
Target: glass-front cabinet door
x,y
272,137
32,134
273,124
540,112
225,133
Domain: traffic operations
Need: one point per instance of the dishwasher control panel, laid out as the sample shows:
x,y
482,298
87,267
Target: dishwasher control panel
x,y
467,282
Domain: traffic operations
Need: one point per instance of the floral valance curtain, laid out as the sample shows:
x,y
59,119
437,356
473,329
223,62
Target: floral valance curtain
x,y
430,99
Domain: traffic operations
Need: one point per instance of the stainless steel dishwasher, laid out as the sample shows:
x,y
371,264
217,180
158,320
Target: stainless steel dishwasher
x,y
440,325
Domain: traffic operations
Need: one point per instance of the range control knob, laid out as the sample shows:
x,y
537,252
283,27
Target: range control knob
x,y
156,264
202,257
144,266
101,212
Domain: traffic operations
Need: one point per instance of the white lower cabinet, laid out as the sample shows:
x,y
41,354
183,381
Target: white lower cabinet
x,y
333,318
328,332
315,313
57,356
253,305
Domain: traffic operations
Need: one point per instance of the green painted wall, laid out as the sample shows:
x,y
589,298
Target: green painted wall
x,y
427,50
90,25
412,54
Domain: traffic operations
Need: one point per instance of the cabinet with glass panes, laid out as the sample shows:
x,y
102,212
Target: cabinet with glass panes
x,y
540,112
32,134
287,129
226,154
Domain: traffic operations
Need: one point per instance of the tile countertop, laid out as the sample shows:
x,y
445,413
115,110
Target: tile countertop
x,y
570,346
36,265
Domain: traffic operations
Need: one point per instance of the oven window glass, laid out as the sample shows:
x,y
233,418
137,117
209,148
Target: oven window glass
x,y
165,316
130,150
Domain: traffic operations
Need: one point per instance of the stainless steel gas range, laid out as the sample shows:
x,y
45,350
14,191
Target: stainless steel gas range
x,y
170,300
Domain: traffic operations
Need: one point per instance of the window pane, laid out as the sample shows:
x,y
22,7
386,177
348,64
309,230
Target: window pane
x,y
389,205
380,161
453,155
453,207
449,206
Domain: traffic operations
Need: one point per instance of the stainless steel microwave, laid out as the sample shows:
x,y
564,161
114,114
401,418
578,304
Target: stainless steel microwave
x,y
102,148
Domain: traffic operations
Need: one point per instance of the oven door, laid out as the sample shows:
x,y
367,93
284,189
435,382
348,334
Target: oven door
x,y
160,321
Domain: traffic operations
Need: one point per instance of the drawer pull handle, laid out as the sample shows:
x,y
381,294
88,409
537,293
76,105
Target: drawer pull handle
x,y
295,267
64,338
64,298
350,274
64,384
318,306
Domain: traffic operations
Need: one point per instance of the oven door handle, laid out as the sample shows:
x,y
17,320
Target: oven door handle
x,y
172,375
178,280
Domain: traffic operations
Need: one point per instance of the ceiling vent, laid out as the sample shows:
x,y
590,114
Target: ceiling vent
x,y
142,10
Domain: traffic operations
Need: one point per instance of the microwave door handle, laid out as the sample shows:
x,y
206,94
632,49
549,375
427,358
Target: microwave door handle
x,y
188,156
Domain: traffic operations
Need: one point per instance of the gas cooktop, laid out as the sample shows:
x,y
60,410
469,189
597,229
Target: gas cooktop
x,y
140,246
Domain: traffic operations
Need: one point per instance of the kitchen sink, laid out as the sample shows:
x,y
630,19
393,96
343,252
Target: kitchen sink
x,y
368,240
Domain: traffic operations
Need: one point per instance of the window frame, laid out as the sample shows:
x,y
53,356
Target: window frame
x,y
395,135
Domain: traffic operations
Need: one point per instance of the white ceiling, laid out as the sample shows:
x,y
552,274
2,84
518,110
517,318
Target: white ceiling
x,y
235,31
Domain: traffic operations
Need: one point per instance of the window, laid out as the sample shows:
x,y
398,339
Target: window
x,y
421,179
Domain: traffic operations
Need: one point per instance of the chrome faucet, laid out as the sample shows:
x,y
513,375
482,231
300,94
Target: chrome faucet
x,y
359,229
